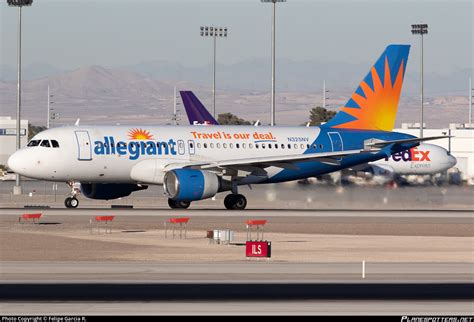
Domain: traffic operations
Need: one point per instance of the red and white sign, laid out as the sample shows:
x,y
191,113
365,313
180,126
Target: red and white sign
x,y
258,249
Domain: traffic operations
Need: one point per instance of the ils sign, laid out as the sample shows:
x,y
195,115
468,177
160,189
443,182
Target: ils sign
x,y
258,249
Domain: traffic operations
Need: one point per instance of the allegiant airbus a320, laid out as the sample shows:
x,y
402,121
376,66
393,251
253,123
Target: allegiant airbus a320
x,y
194,163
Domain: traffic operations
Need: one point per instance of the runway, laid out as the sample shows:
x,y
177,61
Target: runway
x,y
243,272
289,196
451,214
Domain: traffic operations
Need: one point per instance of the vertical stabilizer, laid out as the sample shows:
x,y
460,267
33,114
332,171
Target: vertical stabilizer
x,y
374,104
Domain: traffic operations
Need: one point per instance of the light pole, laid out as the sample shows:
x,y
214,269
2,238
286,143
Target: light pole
x,y
324,94
272,114
470,102
175,110
214,32
50,116
420,29
18,3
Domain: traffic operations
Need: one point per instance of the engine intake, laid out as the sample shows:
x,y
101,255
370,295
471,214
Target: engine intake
x,y
190,184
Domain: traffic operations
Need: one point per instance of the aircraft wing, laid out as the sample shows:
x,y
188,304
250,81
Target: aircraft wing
x,y
375,144
285,161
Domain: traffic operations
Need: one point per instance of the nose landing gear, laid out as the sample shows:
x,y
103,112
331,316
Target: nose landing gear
x,y
71,201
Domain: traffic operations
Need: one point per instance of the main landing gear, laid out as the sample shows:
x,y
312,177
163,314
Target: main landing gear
x,y
235,202
71,201
176,204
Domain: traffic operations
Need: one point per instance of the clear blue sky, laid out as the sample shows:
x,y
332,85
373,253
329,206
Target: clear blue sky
x,y
73,33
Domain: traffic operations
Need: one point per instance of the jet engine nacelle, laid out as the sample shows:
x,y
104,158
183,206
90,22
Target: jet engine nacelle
x,y
106,191
380,170
190,184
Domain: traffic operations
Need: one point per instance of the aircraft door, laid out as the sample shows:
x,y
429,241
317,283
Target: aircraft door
x,y
192,148
336,141
83,146
180,147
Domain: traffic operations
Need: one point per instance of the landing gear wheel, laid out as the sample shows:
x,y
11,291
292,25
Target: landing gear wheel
x,y
235,202
229,201
240,202
74,203
71,202
178,204
67,202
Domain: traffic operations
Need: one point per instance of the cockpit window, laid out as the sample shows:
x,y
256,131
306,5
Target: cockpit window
x,y
34,143
45,143
55,144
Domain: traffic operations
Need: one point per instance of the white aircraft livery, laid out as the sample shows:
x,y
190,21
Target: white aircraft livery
x,y
197,162
423,159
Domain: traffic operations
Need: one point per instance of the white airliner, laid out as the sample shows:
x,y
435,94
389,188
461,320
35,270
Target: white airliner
x,y
425,159
194,163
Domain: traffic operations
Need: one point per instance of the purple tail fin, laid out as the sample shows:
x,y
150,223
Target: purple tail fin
x,y
197,113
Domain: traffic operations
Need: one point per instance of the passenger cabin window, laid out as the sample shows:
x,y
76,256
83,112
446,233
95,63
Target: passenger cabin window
x,y
55,144
45,143
34,143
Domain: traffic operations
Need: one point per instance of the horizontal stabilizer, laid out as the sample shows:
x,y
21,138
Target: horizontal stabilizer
x,y
377,144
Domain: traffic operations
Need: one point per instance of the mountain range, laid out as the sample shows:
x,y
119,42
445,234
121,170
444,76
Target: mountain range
x,y
254,75
143,93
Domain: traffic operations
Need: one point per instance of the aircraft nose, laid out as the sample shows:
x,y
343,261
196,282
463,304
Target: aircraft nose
x,y
17,161
452,161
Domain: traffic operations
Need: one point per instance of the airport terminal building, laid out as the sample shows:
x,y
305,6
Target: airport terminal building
x,y
8,137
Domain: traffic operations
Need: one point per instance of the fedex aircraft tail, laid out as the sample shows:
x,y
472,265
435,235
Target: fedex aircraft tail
x,y
196,112
373,106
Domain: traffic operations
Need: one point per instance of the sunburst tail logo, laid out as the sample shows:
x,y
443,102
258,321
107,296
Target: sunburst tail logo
x,y
373,106
139,134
